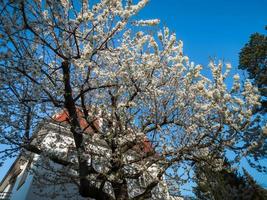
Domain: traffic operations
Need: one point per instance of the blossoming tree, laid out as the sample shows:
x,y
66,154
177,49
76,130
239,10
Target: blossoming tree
x,y
64,55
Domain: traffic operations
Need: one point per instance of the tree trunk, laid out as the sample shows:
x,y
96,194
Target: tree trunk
x,y
86,189
120,190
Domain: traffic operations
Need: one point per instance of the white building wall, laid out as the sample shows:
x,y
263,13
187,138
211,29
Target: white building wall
x,y
40,189
62,187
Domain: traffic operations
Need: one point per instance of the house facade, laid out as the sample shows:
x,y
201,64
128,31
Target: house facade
x,y
34,176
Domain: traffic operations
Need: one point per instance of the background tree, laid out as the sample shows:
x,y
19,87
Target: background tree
x,y
95,62
253,59
257,191
225,183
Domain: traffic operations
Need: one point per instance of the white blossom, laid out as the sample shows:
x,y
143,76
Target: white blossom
x,y
151,22
236,77
141,81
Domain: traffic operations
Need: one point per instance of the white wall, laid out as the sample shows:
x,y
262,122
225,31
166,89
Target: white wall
x,y
61,187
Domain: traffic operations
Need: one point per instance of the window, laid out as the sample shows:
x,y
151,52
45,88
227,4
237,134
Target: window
x,y
6,194
24,174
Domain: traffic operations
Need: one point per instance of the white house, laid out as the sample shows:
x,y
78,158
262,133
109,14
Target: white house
x,y
33,176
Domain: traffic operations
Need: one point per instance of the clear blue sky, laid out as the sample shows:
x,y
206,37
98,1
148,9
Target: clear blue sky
x,y
209,28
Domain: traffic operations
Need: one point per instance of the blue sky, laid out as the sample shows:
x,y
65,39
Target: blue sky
x,y
209,28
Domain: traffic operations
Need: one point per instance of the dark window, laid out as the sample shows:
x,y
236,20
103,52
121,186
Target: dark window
x,y
24,175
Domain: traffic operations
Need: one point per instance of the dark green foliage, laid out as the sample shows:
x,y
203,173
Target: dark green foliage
x,y
255,134
253,58
255,189
217,185
226,184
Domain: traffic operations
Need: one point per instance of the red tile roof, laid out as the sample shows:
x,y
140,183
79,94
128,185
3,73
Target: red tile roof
x,y
63,116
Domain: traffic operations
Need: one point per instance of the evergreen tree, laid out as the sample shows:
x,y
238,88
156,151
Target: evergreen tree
x,y
253,58
218,184
226,184
258,192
